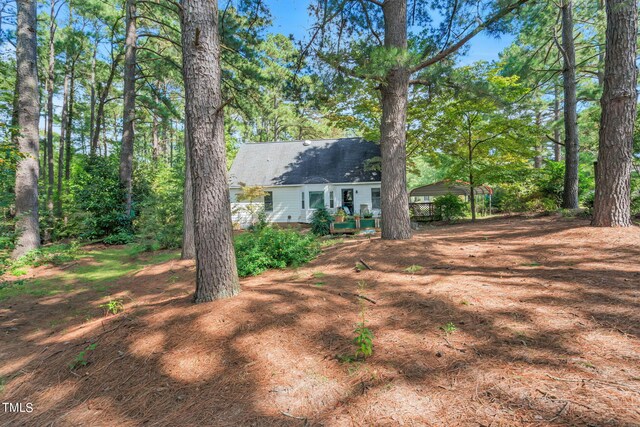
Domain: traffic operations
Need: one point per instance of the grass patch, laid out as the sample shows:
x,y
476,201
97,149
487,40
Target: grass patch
x,y
532,264
103,268
318,274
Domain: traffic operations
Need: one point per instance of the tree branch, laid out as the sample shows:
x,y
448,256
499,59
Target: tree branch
x,y
456,46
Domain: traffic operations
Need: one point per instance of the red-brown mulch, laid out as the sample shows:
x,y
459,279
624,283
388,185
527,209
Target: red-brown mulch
x,y
547,332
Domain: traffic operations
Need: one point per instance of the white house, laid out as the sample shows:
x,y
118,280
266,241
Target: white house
x,y
301,176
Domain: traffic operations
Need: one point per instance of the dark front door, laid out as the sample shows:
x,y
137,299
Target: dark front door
x,y
347,200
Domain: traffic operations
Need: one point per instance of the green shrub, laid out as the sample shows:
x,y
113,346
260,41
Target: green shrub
x,y
121,238
159,223
53,254
449,207
96,199
320,222
273,248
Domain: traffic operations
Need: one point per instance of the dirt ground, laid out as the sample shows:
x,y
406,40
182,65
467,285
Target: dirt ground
x,y
543,320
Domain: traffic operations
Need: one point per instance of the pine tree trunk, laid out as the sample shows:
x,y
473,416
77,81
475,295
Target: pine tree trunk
x,y
570,193
216,273
129,109
63,135
50,112
92,107
69,124
537,159
99,116
188,243
612,204
393,140
27,227
557,148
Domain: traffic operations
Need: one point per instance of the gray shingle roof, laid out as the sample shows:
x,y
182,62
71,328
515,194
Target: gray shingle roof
x,y
304,162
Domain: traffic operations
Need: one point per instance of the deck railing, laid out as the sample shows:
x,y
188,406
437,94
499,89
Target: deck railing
x,y
424,211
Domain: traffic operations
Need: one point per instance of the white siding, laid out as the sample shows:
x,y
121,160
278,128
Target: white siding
x,y
287,202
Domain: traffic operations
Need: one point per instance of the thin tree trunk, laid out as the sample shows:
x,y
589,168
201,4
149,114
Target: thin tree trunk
x,y
27,227
216,272
472,199
557,148
69,124
570,193
63,135
155,143
612,204
92,120
50,111
537,160
188,242
99,117
394,197
129,109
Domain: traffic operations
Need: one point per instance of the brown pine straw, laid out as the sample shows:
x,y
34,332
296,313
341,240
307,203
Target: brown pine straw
x,y
547,332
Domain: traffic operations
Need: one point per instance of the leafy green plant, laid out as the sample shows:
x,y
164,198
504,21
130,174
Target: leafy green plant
x,y
113,306
52,254
449,328
273,248
95,199
364,337
449,208
81,358
321,221
121,238
159,223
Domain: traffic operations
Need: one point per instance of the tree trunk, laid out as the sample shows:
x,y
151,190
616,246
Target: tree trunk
x,y
92,107
612,204
27,227
69,124
188,243
393,140
216,272
63,135
537,159
472,199
570,193
557,148
155,143
50,111
99,116
129,110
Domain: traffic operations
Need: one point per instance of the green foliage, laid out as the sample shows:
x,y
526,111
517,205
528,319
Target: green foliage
x,y
96,199
320,222
449,207
120,238
52,254
363,341
113,306
81,358
364,337
449,328
540,190
159,224
273,248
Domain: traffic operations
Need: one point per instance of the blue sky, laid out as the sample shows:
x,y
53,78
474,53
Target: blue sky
x,y
291,17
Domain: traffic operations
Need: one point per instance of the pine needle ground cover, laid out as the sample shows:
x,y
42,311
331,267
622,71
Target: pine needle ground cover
x,y
513,322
